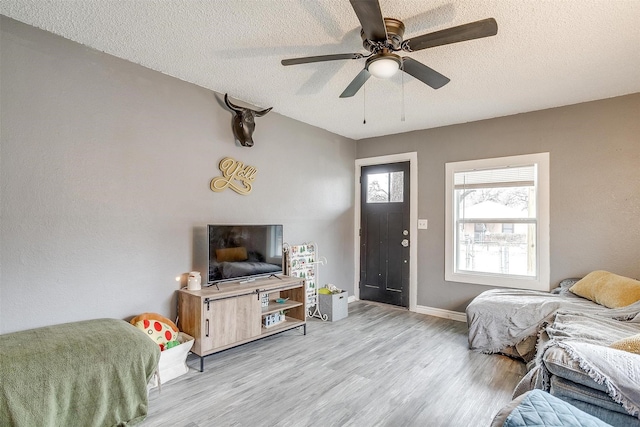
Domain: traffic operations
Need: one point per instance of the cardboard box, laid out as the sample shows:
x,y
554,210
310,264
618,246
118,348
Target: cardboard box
x,y
173,361
335,306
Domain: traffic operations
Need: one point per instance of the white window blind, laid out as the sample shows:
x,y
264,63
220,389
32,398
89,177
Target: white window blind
x,y
521,176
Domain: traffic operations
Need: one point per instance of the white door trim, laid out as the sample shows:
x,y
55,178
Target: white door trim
x,y
412,158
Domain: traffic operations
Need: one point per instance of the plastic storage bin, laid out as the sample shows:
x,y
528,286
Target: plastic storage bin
x,y
173,361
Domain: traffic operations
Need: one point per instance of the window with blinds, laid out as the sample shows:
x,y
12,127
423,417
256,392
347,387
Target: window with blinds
x,y
495,221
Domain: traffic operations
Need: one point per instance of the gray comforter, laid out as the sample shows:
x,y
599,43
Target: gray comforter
x,y
508,321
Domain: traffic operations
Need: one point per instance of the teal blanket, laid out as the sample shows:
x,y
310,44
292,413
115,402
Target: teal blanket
x,y
90,373
540,409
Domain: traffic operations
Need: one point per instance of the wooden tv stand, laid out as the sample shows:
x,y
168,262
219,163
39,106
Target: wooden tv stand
x,y
232,315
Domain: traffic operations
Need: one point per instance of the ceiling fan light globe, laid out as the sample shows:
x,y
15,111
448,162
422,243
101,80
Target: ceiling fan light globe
x,y
383,68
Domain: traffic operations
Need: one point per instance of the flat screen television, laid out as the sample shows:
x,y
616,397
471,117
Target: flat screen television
x,y
244,252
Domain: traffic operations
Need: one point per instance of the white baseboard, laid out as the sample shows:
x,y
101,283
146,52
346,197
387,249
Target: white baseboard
x,y
432,311
439,312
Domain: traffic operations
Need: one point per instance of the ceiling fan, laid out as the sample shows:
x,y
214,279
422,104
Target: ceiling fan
x,y
382,37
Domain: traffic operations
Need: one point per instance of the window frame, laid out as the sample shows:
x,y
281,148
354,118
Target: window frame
x,y
541,280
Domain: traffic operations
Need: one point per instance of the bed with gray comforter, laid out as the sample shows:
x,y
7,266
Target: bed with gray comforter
x,y
565,339
508,321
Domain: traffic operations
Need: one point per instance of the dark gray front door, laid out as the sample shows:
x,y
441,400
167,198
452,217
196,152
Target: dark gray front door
x,y
384,233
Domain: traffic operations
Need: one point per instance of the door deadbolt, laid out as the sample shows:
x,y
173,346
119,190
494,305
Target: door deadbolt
x,y
405,232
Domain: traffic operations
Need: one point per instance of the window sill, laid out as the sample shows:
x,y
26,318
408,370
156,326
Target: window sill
x,y
517,282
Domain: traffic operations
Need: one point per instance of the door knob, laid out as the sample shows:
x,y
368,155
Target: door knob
x,y
405,242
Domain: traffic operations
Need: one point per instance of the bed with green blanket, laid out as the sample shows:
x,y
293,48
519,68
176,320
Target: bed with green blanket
x,y
89,373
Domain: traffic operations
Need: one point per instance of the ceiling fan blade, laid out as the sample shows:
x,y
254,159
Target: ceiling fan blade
x,y
423,73
321,58
370,17
356,84
473,30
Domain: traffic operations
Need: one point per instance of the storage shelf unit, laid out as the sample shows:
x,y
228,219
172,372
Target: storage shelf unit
x,y
232,315
274,307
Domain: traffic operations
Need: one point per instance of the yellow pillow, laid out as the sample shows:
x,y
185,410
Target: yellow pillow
x,y
630,344
231,254
608,289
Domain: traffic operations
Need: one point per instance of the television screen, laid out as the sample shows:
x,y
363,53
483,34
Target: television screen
x,y
238,252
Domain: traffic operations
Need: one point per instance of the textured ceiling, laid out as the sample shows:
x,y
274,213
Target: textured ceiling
x,y
546,54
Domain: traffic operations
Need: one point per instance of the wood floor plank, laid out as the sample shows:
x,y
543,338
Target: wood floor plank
x,y
381,366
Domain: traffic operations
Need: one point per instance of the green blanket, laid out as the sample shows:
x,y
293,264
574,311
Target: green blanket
x,y
90,373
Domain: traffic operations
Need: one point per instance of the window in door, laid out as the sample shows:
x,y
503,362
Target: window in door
x,y
497,221
385,187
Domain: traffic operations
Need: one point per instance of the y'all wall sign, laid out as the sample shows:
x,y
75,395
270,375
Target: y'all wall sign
x,y
235,175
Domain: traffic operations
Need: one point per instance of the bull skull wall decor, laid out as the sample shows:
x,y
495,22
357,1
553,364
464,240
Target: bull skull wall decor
x,y
243,122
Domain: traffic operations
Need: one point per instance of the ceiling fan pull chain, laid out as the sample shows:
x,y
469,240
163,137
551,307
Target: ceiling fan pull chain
x,y
364,104
402,90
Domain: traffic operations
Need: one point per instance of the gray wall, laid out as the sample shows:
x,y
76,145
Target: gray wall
x,y
105,169
595,186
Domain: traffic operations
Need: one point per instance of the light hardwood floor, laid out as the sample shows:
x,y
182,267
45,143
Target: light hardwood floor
x,y
381,366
